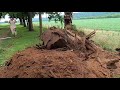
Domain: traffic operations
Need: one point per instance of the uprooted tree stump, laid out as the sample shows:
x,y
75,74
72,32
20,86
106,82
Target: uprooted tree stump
x,y
55,38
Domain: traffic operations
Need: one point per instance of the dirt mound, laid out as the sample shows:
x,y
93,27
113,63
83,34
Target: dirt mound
x,y
35,63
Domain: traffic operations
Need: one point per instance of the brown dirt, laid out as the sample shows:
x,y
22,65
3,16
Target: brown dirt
x,y
35,63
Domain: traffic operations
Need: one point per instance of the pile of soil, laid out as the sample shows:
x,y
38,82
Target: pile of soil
x,y
61,57
35,63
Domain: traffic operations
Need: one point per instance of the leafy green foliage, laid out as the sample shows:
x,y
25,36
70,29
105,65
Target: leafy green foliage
x,y
56,16
20,14
2,14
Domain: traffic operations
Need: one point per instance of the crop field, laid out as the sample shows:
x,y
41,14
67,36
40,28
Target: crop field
x,y
108,24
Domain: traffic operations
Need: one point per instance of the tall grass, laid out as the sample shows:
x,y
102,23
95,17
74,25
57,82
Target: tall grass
x,y
109,40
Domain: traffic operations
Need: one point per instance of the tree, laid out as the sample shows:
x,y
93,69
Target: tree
x,y
16,15
2,14
30,24
56,16
25,18
40,22
21,21
22,17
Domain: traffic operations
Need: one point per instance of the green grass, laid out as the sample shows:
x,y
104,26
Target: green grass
x,y
23,40
108,24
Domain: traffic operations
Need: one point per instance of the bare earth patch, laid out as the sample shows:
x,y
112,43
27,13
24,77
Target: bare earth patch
x,y
35,63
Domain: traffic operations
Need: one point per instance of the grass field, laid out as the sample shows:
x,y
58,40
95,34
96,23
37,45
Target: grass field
x,y
23,40
109,24
107,38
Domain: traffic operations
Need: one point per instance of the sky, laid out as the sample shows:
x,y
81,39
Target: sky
x,y
36,16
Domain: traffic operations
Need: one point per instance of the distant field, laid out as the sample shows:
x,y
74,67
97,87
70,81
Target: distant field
x,y
101,24
112,24
109,24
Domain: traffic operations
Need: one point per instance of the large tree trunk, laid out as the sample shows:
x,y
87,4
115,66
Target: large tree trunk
x,y
27,23
30,24
40,21
24,22
67,18
21,22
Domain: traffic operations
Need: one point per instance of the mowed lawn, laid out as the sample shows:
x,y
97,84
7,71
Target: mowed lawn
x,y
109,24
24,39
